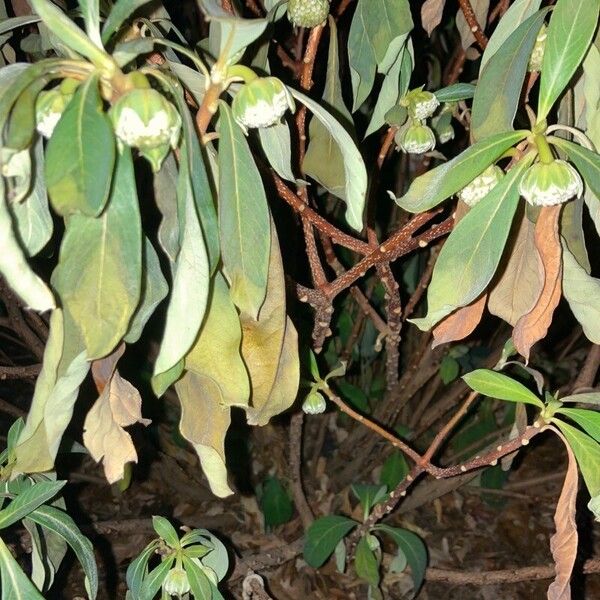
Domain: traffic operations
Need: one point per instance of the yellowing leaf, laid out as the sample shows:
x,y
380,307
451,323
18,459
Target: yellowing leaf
x,y
270,348
216,353
204,424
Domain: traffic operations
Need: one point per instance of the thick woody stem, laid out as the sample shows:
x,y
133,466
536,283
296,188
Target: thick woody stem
x,y
471,19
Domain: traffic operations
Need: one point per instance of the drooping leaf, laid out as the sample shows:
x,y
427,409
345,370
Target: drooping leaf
x,y
64,368
277,146
99,274
459,324
470,256
431,14
355,173
323,536
14,581
80,156
32,218
270,348
581,292
533,326
498,90
413,548
204,423
154,290
447,179
516,289
165,193
61,524
563,542
14,266
518,12
366,563
570,32
243,217
189,290
496,385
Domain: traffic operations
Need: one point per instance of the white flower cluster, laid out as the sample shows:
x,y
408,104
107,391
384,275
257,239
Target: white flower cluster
x,y
480,187
548,184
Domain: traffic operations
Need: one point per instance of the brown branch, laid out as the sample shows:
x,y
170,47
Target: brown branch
x,y
304,510
513,575
26,372
471,19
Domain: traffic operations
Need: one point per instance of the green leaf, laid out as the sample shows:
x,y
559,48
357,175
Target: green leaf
x,y
59,522
323,160
413,548
15,584
166,531
368,495
447,179
582,292
275,503
366,563
570,32
28,501
449,369
162,381
154,580
456,92
586,161
119,13
243,217
154,290
14,266
199,582
355,173
277,146
138,569
587,453
394,470
218,559
518,12
80,155
323,536
588,420
21,126
61,26
496,385
189,291
98,277
498,90
32,217
589,398
471,254
90,9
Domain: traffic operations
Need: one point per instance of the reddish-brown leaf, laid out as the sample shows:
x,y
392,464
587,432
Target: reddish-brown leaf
x,y
563,543
460,323
533,326
103,368
431,14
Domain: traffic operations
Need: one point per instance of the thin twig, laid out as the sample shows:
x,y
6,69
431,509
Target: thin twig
x,y
304,510
471,19
26,372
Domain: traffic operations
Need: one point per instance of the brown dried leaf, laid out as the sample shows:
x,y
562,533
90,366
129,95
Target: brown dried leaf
x,y
533,326
563,543
518,287
118,406
460,323
431,14
104,368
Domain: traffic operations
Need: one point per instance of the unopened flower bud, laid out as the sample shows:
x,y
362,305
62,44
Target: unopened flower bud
x,y
420,103
143,118
307,13
176,582
415,139
480,187
537,54
550,183
445,134
314,403
261,103
49,108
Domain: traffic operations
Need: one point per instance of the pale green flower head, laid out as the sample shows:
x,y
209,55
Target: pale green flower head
x,y
176,582
480,187
537,54
261,103
314,403
415,139
307,13
420,104
547,184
